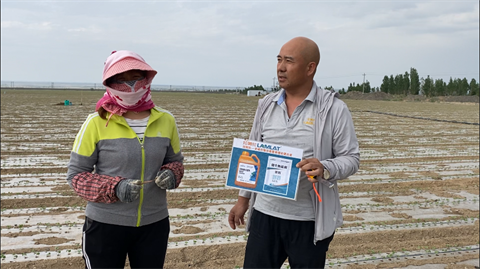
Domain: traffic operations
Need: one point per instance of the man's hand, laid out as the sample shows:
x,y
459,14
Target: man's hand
x,y
312,168
165,179
235,218
128,190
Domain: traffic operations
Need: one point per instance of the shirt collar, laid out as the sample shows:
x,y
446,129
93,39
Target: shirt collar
x,y
310,97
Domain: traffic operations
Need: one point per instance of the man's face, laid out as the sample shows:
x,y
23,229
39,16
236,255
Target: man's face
x,y
291,67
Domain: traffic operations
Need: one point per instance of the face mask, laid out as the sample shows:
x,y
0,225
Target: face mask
x,y
129,94
129,83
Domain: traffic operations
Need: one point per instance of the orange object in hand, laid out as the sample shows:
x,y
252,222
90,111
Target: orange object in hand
x,y
314,188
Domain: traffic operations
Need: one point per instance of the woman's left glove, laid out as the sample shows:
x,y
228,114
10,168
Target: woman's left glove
x,y
170,175
165,179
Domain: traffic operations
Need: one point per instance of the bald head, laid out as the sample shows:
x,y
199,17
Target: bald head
x,y
307,48
297,64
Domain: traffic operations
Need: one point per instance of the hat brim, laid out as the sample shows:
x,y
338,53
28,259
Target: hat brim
x,y
127,64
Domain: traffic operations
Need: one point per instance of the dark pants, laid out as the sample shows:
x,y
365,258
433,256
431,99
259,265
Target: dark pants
x,y
107,246
272,240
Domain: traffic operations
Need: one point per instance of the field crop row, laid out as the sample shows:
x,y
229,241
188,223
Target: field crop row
x,y
414,200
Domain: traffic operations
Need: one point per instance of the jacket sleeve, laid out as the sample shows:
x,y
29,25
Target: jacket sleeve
x,y
345,148
174,151
81,174
174,158
95,188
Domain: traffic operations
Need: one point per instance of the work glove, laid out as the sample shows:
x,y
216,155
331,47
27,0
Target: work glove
x,y
165,179
128,190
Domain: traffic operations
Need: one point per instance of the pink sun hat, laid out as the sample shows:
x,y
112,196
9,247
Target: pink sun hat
x,y
124,60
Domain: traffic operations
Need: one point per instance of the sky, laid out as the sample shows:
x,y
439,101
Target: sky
x,y
236,43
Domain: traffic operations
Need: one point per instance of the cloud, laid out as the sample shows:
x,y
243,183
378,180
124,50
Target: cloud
x,y
235,43
427,17
90,29
42,26
11,24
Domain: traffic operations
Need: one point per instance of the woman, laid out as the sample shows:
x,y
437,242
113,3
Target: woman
x,y
124,158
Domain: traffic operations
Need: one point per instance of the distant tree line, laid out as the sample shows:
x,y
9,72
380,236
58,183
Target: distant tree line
x,y
253,88
410,83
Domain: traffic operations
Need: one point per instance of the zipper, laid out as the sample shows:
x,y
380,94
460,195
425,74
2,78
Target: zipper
x,y
142,175
139,215
139,210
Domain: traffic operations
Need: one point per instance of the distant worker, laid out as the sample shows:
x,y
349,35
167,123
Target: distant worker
x,y
300,115
124,158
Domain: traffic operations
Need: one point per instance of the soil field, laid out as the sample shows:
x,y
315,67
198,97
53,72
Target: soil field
x,y
414,203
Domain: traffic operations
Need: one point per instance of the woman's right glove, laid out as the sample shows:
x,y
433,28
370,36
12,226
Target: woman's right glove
x,y
128,190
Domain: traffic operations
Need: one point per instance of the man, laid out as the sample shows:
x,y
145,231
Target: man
x,y
304,116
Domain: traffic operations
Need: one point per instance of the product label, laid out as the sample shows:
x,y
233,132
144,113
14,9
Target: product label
x,y
265,168
278,175
247,173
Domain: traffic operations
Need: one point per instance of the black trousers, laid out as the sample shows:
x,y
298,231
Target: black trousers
x,y
272,240
107,246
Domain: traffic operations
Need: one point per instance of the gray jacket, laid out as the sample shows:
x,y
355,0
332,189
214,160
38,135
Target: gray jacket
x,y
336,147
116,151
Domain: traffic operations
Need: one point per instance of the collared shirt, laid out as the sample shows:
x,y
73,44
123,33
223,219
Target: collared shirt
x,y
295,131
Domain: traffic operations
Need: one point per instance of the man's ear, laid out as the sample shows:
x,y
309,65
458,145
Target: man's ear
x,y
311,68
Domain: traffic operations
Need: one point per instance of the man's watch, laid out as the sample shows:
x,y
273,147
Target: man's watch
x,y
326,174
